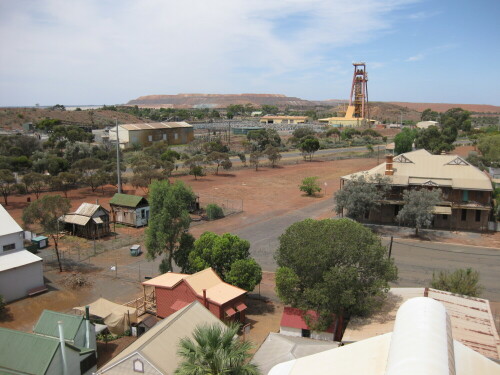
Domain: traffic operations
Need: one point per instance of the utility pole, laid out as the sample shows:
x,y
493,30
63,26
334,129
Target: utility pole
x,y
390,247
118,172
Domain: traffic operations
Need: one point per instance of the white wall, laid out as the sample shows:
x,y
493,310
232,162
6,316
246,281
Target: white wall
x,y
288,331
15,238
16,282
72,358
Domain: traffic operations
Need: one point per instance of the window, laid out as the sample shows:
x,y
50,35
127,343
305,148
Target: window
x,y
445,217
306,333
464,215
176,136
143,214
150,138
478,215
164,137
138,366
465,195
396,210
8,247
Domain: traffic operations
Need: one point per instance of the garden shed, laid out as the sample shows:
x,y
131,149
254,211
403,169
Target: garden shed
x,y
129,210
89,221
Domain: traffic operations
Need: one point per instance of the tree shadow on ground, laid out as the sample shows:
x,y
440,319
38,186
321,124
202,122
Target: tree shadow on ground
x,y
6,315
259,305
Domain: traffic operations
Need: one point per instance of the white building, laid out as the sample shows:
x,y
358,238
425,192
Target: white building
x,y
426,124
421,343
20,270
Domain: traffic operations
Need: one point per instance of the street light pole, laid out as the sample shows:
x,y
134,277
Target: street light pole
x,y
118,172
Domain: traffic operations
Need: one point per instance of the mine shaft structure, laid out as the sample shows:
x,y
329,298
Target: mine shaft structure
x,y
359,91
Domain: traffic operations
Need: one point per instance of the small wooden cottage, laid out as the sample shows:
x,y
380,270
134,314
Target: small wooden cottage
x,y
129,210
89,221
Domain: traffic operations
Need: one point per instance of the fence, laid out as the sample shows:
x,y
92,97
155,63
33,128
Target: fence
x,y
229,206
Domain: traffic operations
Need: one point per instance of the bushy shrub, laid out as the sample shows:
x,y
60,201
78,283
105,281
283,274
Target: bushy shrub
x,y
214,212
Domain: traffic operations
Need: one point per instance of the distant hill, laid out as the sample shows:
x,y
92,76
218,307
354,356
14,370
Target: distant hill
x,y
217,100
443,107
13,118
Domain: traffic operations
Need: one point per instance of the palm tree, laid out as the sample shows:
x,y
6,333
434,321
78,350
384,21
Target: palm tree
x,y
215,350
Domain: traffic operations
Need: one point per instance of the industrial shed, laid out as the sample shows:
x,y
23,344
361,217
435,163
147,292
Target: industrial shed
x,y
89,221
20,272
145,134
129,210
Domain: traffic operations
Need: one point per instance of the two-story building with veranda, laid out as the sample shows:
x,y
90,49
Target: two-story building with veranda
x,y
466,191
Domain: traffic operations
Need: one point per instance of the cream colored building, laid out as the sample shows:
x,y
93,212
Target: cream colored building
x,y
348,121
145,134
269,119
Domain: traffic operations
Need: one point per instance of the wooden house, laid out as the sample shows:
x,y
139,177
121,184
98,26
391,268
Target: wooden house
x,y
89,221
129,210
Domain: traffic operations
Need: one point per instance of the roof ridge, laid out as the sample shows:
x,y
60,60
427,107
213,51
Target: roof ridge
x,y
174,318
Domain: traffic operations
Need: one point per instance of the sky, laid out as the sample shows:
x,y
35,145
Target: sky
x,y
84,52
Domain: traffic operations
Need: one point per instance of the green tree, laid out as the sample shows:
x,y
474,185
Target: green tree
x,y
245,274
215,350
429,115
332,267
181,256
46,213
308,147
89,168
220,159
195,165
273,155
360,195
489,146
417,211
270,109
435,140
255,159
404,141
460,281
260,139
35,183
310,186
169,219
214,211
7,183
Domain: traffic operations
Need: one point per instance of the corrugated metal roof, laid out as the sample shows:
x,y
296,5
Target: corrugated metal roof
x,y
159,344
471,319
217,290
47,324
293,318
126,200
87,209
472,322
418,167
408,350
25,352
17,259
156,125
75,219
9,225
285,117
279,348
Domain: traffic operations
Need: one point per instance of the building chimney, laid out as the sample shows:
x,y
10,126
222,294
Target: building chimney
x,y
205,303
426,292
388,165
87,327
63,347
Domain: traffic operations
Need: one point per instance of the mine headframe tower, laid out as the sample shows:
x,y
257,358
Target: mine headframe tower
x,y
359,91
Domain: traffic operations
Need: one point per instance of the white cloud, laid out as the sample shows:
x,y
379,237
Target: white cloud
x,y
417,57
85,51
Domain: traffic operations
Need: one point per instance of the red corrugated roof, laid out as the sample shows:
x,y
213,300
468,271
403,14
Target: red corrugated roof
x,y
177,305
293,318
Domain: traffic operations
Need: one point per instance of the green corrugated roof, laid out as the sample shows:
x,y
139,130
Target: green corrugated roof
x,y
25,352
47,324
126,200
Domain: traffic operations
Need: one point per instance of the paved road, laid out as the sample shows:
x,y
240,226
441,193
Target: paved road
x,y
416,260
